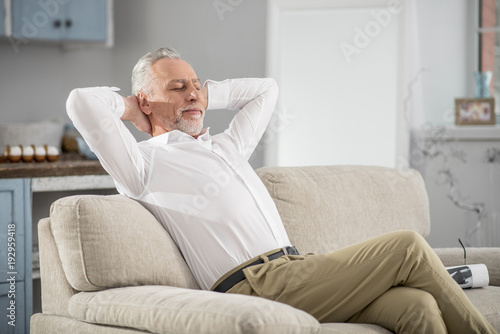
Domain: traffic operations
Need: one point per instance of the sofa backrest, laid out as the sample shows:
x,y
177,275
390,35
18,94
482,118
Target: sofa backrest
x,y
113,241
325,208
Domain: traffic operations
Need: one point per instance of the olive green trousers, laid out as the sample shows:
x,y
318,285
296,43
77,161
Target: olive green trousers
x,y
395,281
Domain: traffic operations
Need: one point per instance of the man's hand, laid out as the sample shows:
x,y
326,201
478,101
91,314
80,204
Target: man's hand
x,y
204,92
134,114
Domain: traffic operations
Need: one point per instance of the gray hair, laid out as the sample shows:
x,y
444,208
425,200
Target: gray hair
x,y
142,78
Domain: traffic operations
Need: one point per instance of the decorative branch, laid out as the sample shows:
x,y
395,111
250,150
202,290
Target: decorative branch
x,y
493,155
431,150
455,197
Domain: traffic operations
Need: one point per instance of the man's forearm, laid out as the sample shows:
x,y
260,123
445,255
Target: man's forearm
x,y
89,107
254,98
236,94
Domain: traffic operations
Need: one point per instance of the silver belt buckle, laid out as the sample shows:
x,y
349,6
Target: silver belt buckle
x,y
285,250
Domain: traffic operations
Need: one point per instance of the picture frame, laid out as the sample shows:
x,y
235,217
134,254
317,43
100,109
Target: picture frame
x,y
475,111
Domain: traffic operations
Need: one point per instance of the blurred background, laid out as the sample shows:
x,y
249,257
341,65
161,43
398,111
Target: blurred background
x,y
37,76
368,82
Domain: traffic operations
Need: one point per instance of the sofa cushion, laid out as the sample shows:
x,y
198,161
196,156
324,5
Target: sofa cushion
x,y
325,208
486,301
113,241
341,328
41,323
176,310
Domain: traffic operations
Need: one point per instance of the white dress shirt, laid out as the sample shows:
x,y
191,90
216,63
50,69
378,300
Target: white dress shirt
x,y
202,190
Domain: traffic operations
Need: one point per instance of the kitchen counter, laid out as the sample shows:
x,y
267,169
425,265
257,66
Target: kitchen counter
x,y
71,171
68,164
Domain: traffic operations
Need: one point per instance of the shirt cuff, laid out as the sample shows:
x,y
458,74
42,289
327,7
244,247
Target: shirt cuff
x,y
218,94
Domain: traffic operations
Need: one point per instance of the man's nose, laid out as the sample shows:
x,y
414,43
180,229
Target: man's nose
x,y
194,95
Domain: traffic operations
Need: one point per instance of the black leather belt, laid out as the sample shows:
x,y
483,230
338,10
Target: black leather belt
x,y
238,275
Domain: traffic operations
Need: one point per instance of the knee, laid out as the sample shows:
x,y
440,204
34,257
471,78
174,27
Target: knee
x,y
424,310
420,303
413,243
409,238
423,301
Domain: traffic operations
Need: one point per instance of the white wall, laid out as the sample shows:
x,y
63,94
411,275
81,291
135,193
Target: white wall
x,y
342,104
448,56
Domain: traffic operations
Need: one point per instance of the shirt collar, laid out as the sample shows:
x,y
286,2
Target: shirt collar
x,y
177,136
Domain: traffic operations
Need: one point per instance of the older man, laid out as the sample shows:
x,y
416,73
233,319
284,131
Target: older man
x,y
202,189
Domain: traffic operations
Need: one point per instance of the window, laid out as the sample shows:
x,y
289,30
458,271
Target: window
x,y
489,44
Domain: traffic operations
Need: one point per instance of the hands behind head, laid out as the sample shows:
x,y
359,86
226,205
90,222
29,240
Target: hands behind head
x,y
134,114
204,91
141,121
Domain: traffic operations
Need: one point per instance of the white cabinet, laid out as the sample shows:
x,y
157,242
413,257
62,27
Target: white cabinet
x,y
461,169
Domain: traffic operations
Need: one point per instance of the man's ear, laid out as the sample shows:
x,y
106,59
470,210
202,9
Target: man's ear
x,y
144,103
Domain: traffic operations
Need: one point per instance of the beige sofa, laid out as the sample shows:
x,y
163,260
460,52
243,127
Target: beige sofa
x,y
107,266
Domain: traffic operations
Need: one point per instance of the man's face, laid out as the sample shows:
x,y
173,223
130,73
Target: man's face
x,y
177,102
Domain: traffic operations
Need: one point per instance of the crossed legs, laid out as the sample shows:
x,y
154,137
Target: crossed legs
x,y
395,280
404,310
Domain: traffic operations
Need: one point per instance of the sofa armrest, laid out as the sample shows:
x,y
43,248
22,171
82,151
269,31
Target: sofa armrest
x,y
487,255
112,241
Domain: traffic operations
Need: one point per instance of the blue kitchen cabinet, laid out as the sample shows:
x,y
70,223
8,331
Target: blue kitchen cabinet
x,y
86,20
16,286
16,322
37,20
60,20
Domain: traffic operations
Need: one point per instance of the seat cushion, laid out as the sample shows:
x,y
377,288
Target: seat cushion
x,y
41,323
176,310
341,328
486,300
113,241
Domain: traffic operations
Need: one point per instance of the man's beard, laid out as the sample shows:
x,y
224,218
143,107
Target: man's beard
x,y
190,126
